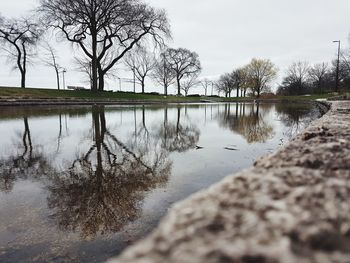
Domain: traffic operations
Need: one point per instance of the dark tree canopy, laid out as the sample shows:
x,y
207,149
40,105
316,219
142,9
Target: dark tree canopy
x,y
318,73
105,30
298,78
19,38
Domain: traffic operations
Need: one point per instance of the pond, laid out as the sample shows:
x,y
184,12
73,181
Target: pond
x,y
80,184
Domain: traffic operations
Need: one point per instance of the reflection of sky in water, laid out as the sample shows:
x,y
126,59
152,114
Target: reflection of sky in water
x,y
29,226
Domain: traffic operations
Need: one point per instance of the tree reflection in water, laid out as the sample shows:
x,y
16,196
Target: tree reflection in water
x,y
27,162
296,116
177,137
247,120
103,189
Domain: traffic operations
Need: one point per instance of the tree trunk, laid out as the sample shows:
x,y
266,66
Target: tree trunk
x,y
143,117
24,67
178,120
101,83
237,92
143,86
94,63
165,90
101,79
178,86
165,125
257,110
57,79
23,79
94,75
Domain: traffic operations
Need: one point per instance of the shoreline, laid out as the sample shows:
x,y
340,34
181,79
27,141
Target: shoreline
x,y
91,102
10,97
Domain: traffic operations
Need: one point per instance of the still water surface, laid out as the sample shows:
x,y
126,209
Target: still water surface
x,y
81,184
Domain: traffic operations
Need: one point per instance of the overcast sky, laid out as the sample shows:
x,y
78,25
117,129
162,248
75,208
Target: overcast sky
x,y
226,34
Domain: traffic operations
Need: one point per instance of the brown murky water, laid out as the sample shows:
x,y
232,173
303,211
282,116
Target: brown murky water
x,y
80,184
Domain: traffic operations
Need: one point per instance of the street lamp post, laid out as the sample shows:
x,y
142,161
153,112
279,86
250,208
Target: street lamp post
x,y
133,70
337,70
120,84
63,78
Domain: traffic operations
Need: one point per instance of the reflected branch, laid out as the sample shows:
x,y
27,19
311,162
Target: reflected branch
x,y
103,190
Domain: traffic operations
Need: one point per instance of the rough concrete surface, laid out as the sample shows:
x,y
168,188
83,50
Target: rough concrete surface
x,y
292,206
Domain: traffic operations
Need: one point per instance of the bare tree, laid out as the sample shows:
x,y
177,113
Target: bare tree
x,y
225,84
141,62
345,59
83,65
297,73
260,73
51,59
344,69
19,38
162,73
239,80
317,73
189,83
205,84
244,80
296,81
105,30
184,63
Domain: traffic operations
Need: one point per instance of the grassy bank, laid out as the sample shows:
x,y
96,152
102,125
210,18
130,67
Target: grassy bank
x,y
7,92
289,98
34,93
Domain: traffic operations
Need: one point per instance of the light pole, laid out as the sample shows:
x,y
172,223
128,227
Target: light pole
x,y
337,70
64,81
133,70
120,84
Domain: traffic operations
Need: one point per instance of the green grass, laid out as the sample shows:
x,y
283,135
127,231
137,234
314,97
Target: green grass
x,y
85,94
311,97
290,98
34,93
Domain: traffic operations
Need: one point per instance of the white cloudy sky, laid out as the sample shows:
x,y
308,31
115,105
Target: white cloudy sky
x,y
226,34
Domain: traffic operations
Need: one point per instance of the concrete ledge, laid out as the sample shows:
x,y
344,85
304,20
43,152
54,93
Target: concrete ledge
x,y
292,206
